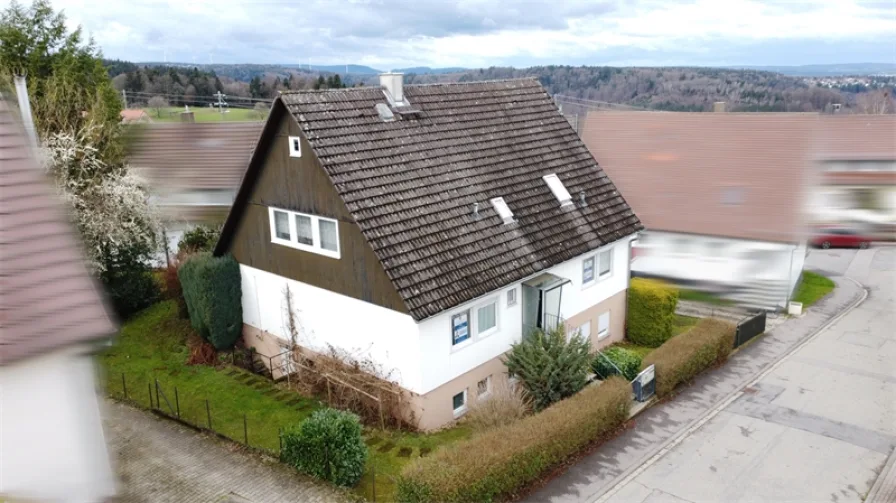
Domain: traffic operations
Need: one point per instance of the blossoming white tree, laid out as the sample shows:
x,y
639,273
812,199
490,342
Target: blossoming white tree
x,y
111,206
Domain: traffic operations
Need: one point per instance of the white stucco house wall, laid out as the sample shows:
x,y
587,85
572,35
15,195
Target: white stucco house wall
x,y
52,317
428,228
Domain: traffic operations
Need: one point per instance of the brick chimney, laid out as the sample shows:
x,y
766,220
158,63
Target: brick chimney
x,y
720,107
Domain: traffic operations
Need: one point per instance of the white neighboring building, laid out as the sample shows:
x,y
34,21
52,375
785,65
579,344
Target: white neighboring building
x,y
428,228
51,319
723,196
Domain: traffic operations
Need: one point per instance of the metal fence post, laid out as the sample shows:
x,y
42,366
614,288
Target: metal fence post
x,y
245,431
280,437
158,403
374,483
124,386
177,402
149,387
208,412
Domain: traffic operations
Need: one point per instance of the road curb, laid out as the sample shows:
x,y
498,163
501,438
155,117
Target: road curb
x,y
662,449
887,477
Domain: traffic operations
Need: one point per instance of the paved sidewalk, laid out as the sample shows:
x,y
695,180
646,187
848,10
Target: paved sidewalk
x,y
884,490
158,460
590,478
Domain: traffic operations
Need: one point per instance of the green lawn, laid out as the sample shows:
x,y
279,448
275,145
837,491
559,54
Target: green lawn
x,y
812,288
682,324
204,114
152,346
698,296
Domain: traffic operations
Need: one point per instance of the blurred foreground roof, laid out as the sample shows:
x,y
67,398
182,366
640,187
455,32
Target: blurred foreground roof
x,y
48,299
195,156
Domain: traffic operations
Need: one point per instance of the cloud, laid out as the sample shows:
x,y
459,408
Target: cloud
x,y
396,33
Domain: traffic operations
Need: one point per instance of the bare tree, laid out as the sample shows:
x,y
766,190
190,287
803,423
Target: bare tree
x,y
157,103
877,102
260,111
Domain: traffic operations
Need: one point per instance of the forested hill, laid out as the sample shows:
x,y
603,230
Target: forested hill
x,y
680,89
677,89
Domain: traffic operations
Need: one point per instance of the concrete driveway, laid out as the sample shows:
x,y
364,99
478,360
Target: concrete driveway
x,y
818,426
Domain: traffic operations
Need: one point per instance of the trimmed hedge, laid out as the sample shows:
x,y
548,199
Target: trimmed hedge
x,y
627,361
686,355
213,293
327,445
501,461
651,312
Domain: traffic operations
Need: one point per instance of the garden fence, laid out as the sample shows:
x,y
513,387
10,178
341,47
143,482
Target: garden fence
x,y
749,328
200,413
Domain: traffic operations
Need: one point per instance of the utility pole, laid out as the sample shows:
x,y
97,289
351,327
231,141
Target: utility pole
x,y
220,104
124,97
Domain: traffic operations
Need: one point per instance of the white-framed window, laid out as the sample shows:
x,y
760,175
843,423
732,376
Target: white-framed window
x,y
503,210
459,403
305,232
511,297
295,146
597,267
606,263
587,270
484,388
487,318
460,327
603,325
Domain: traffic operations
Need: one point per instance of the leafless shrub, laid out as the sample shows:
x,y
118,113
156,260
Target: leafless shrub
x,y
505,404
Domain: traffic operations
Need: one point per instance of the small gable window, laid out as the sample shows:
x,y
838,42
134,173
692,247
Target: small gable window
x,y
295,146
305,232
558,189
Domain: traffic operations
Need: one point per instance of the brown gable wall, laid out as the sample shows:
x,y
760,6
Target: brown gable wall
x,y
300,184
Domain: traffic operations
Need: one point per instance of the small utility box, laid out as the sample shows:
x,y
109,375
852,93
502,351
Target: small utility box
x,y
644,385
795,308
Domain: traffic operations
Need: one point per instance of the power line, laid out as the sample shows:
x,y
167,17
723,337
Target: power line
x,y
196,97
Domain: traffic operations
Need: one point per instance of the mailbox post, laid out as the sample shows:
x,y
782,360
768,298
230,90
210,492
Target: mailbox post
x,y
644,384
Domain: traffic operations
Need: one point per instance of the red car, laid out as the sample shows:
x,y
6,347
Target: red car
x,y
840,238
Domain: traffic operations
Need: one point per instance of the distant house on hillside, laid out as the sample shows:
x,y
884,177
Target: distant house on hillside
x,y
194,169
52,319
723,196
855,169
134,116
428,228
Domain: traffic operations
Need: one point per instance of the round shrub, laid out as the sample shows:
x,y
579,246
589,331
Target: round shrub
x,y
327,445
613,359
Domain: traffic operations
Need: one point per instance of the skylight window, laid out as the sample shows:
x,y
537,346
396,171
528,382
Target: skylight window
x,y
558,189
503,210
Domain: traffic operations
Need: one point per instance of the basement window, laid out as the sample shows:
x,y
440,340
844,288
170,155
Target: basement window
x,y
305,232
295,146
503,210
558,189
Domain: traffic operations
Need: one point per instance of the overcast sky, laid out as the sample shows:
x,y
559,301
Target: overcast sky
x,y
389,34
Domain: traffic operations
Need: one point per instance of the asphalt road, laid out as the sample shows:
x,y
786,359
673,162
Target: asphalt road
x,y
818,427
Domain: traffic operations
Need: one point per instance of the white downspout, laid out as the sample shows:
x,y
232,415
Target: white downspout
x,y
25,108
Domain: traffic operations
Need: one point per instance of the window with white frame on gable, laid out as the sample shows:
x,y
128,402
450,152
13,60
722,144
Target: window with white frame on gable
x,y
511,297
597,267
311,233
479,321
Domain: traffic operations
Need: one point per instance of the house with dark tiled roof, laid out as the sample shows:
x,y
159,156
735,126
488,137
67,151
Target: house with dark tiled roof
x,y
52,319
428,227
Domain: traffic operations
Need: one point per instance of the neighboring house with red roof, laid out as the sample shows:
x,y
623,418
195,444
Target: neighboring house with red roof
x,y
134,116
194,169
52,318
723,196
428,228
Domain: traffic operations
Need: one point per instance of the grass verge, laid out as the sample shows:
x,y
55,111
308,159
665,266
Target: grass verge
x,y
152,345
682,325
812,288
